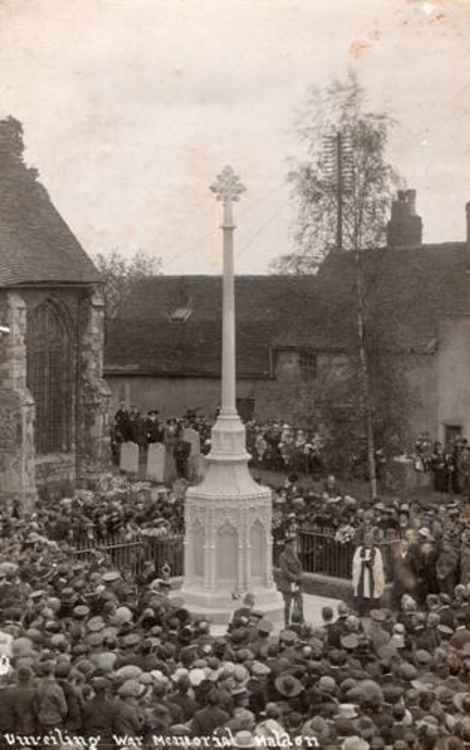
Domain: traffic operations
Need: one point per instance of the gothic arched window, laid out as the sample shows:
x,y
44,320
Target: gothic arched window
x,y
50,377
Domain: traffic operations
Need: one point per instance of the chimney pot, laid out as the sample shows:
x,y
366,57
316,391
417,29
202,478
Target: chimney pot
x,y
405,228
411,201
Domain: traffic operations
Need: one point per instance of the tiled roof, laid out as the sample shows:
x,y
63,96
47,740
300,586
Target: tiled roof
x,y
145,339
36,245
407,292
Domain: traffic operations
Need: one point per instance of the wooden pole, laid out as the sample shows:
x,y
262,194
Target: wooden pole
x,y
339,192
365,377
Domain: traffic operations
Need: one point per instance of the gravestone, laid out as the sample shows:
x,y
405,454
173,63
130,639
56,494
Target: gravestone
x,y
192,437
170,466
200,466
129,460
156,462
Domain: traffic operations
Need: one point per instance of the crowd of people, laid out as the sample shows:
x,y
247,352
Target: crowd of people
x,y
130,425
427,544
116,507
449,464
277,446
90,658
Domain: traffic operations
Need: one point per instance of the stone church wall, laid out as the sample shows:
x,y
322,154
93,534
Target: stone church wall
x,y
22,470
93,438
17,464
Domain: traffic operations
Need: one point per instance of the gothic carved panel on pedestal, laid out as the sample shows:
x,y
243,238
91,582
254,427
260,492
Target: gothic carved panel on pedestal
x,y
227,514
227,553
193,512
197,543
258,549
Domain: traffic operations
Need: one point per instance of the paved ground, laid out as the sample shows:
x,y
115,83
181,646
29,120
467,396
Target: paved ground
x,y
312,611
313,606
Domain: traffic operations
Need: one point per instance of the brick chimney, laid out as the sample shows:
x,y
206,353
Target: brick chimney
x,y
405,228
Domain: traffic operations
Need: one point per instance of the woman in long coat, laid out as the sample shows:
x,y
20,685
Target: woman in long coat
x,y
368,576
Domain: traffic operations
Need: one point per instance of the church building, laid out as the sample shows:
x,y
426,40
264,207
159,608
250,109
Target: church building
x,y
53,400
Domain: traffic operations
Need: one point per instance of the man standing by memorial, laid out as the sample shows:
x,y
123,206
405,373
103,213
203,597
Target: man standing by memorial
x,y
290,580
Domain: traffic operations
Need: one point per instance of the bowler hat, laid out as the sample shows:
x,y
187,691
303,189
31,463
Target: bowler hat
x,y
288,686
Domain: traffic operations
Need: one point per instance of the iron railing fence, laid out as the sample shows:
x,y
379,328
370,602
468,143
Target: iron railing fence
x,y
132,554
319,552
322,554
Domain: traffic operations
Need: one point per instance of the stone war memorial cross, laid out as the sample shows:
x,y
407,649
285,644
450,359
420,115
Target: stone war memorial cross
x,y
228,542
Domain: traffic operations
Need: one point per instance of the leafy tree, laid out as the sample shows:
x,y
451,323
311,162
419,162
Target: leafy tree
x,y
343,192
368,181
121,275
12,164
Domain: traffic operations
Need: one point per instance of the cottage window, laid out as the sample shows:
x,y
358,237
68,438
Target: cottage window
x,y
50,378
308,364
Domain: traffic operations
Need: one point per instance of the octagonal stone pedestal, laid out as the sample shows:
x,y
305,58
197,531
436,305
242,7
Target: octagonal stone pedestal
x,y
228,541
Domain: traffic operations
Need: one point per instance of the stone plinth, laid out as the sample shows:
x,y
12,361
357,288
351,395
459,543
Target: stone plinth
x,y
228,542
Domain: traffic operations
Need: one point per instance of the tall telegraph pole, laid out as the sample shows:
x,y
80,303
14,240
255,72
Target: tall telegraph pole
x,y
338,151
339,191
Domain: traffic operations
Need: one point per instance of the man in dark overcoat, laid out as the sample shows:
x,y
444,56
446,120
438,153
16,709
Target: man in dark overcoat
x,y
290,578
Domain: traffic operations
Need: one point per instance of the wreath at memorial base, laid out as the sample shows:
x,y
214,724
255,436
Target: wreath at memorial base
x,y
345,534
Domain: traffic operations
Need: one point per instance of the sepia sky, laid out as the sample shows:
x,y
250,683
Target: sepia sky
x,y
131,107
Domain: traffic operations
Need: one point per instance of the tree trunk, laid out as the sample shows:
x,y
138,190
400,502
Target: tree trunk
x,y
365,378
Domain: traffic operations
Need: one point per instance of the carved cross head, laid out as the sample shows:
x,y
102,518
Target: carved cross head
x,y
227,187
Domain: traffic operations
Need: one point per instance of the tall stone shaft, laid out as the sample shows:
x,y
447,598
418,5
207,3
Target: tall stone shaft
x,y
228,317
228,542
